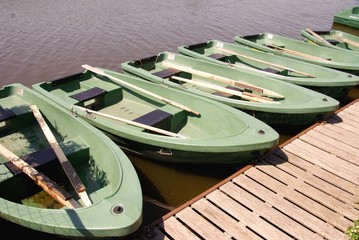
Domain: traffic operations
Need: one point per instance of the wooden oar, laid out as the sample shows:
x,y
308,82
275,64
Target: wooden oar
x,y
49,186
101,72
350,42
317,36
225,90
298,53
279,76
265,62
263,91
65,163
137,124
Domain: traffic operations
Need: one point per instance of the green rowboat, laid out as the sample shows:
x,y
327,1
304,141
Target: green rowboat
x,y
59,175
158,122
328,81
334,39
300,50
348,17
270,100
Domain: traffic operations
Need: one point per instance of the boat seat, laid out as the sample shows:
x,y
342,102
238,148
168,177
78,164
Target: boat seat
x,y
6,114
34,159
217,56
89,94
153,118
332,41
271,70
47,155
169,72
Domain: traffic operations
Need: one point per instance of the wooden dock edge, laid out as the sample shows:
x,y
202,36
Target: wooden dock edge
x,y
147,228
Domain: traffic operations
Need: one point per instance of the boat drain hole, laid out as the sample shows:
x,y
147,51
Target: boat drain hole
x,y
261,132
117,209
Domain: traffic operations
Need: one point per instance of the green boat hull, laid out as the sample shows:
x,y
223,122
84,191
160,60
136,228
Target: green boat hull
x,y
110,179
219,135
300,50
337,39
348,17
300,106
328,81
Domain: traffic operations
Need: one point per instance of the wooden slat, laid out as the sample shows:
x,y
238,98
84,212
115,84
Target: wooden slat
x,y
316,182
329,162
233,227
349,118
337,135
252,219
201,225
330,145
299,220
177,230
302,195
322,174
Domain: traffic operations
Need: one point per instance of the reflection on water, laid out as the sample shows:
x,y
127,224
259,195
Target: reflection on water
x,y
45,40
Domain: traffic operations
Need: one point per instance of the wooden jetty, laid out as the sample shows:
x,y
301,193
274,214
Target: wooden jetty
x,y
307,188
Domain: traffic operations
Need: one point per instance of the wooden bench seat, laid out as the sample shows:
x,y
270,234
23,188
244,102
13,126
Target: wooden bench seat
x,y
154,118
46,155
271,70
166,73
217,56
6,114
228,95
34,159
89,94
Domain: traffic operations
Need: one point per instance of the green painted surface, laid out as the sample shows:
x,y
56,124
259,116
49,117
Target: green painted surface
x,y
299,107
219,135
107,173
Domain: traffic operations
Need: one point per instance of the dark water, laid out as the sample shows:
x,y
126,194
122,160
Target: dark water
x,y
45,39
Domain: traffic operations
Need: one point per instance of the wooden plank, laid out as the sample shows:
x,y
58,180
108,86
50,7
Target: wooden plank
x,y
65,163
201,225
306,220
353,108
344,125
343,120
177,230
336,135
236,206
233,227
322,174
325,160
347,118
89,94
302,194
49,186
347,135
330,145
315,182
